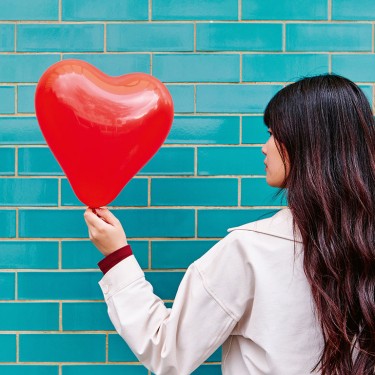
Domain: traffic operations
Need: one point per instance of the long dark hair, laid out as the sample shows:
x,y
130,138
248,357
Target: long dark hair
x,y
325,130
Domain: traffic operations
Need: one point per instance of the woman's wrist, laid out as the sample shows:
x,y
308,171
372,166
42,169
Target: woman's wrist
x,y
115,257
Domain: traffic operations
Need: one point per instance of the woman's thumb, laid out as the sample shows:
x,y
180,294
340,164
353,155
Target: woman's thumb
x,y
106,215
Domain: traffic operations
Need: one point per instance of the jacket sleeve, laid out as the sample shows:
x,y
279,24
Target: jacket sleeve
x,y
175,341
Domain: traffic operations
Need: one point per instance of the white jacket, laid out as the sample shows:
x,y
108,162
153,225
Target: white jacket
x,y
248,292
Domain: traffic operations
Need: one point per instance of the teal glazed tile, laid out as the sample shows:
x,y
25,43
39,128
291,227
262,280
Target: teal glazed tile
x,y
86,316
256,192
135,193
30,316
171,161
215,223
165,284
239,37
25,68
204,130
52,223
230,161
115,64
28,254
110,10
24,10
7,161
353,10
154,222
7,100
6,37
348,37
8,348
28,370
61,285
197,68
7,285
34,161
183,98
118,350
285,67
8,223
60,38
254,131
194,10
207,370
216,356
20,130
358,67
367,90
231,98
150,37
177,254
25,102
83,254
28,192
106,369
62,348
284,10
194,192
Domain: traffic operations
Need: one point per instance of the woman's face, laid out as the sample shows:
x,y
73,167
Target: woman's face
x,y
276,171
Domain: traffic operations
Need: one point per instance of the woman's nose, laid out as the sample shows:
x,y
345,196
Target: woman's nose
x,y
264,150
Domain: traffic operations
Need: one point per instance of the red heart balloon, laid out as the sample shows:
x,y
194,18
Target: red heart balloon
x,y
101,129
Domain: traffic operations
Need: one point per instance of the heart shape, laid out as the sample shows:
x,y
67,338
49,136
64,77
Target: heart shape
x,y
101,129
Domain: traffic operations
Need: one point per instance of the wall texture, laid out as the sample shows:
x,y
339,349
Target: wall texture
x,y
222,60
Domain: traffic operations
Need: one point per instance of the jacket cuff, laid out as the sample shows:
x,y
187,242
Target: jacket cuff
x,y
116,257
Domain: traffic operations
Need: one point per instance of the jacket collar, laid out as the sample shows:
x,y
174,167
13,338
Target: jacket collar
x,y
279,225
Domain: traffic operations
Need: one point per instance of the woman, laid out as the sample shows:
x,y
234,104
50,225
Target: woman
x,y
289,295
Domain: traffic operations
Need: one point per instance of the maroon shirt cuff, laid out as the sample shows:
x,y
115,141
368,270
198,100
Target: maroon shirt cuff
x,y
116,257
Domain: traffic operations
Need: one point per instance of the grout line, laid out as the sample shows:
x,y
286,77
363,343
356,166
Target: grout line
x,y
329,63
150,10
241,67
196,223
329,10
284,37
373,38
60,255
105,38
151,62
60,317
195,37
239,191
15,36
239,10
17,347
60,11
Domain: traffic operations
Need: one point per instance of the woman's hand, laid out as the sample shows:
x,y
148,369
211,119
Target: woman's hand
x,y
105,230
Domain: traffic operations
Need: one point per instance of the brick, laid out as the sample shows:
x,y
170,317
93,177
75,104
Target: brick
x,y
7,161
347,65
196,192
34,161
256,192
29,370
7,285
25,68
329,37
61,285
8,348
243,98
8,223
282,67
150,37
7,100
214,223
194,10
177,254
26,95
24,10
285,10
115,64
105,369
110,10
20,130
118,350
207,370
239,37
353,10
83,254
30,316
62,348
230,161
28,254
183,98
165,284
60,38
204,130
86,316
254,130
28,192
197,67
135,193
170,161
6,36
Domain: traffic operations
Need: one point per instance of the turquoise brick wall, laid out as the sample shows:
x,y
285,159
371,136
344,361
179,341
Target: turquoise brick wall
x,y
222,60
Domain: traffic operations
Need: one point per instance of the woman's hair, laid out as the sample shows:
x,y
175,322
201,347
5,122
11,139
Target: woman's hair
x,y
325,130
